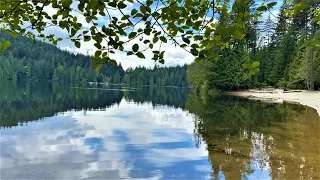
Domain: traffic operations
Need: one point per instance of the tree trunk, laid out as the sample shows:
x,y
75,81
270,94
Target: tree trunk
x,y
311,54
311,70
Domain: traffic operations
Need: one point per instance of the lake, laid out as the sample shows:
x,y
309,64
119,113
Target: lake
x,y
52,131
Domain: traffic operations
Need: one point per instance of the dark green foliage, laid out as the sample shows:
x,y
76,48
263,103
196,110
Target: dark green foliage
x,y
41,61
188,21
287,61
226,73
158,76
231,67
285,50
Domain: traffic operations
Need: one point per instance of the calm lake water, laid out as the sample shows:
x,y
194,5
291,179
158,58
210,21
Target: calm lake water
x,y
49,131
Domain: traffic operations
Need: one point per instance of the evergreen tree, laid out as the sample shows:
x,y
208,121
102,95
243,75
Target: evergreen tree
x,y
151,81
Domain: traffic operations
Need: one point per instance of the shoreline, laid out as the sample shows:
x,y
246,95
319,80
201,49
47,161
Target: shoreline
x,y
303,97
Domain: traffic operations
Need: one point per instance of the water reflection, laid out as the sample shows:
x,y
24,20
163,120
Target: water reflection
x,y
255,140
151,133
24,102
124,141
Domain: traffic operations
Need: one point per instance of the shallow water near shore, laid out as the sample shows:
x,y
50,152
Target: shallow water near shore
x,y
303,97
54,131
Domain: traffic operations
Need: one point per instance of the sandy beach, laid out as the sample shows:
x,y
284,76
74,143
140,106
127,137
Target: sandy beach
x,y
307,98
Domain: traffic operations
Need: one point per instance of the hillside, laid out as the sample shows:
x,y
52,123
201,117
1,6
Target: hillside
x,y
25,59
41,61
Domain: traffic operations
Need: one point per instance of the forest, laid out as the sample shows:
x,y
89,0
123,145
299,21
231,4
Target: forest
x,y
274,52
279,45
25,60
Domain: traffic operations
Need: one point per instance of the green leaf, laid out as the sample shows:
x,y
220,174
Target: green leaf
x,y
162,54
86,38
262,8
97,53
255,64
161,61
155,39
134,11
6,44
270,5
186,40
149,2
217,38
77,44
88,20
183,45
132,35
121,5
238,35
194,52
198,37
97,45
195,46
105,54
246,65
143,9
112,4
129,53
98,66
147,30
14,34
113,62
66,3
197,60
163,39
140,55
299,7
255,71
135,47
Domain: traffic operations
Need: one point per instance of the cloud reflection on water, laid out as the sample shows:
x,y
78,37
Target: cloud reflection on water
x,y
127,141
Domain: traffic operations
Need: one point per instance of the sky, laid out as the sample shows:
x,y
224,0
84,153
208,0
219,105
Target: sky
x,y
173,55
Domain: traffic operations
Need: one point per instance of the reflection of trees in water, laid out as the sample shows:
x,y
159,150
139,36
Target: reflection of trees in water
x,y
242,136
31,101
170,96
245,136
23,102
